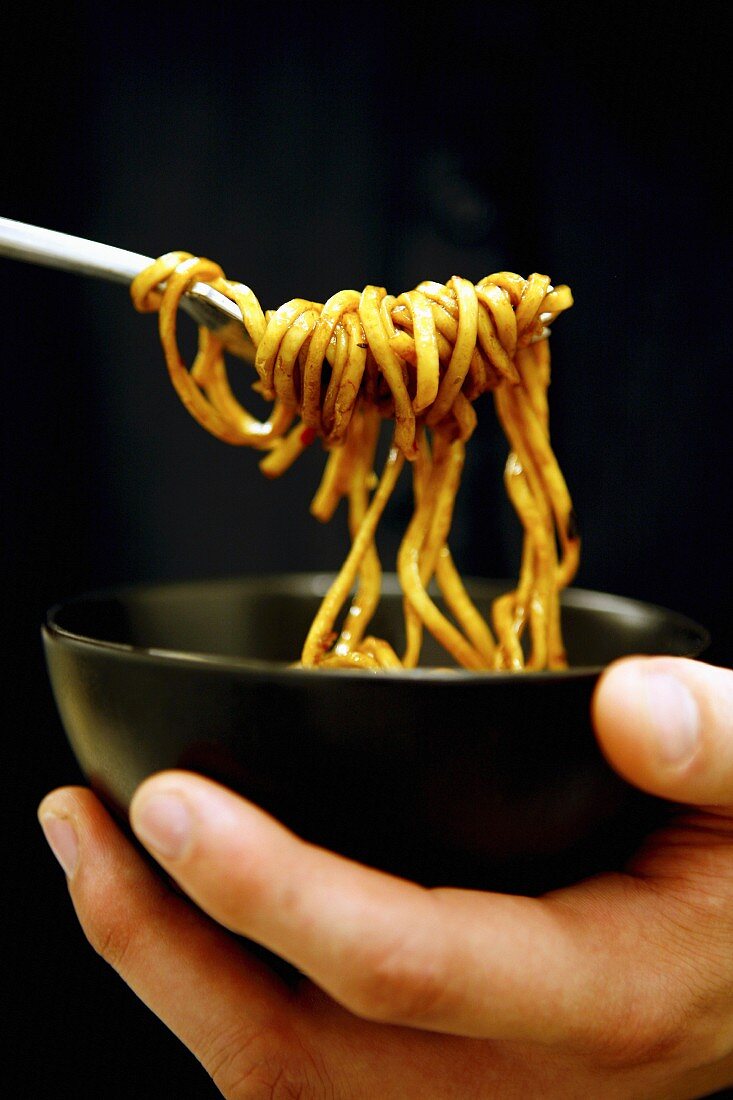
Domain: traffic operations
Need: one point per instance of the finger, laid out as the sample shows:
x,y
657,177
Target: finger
x,y
456,961
227,1008
666,724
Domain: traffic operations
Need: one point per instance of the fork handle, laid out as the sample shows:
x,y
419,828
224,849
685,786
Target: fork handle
x,y
36,245
19,241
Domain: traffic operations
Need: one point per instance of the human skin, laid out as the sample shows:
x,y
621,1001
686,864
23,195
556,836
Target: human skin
x,y
618,986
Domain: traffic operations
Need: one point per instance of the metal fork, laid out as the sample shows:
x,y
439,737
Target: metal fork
x,y
205,305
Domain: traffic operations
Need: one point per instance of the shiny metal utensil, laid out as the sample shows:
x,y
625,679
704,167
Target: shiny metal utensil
x,y
205,305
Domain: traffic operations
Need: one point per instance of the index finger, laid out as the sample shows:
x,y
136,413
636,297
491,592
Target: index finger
x,y
469,963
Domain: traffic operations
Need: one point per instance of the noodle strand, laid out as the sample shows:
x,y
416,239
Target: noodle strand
x,y
421,359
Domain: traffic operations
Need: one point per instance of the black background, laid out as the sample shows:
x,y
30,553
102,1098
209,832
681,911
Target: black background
x,y
308,148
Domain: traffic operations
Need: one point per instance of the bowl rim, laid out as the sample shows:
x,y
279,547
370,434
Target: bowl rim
x,y
316,584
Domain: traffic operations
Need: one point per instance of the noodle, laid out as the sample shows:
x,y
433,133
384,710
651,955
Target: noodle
x,y
421,360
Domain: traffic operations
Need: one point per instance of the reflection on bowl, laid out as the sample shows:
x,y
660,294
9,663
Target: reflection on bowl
x,y
448,777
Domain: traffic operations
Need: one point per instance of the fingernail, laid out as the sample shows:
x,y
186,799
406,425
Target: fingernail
x,y
163,823
62,840
675,717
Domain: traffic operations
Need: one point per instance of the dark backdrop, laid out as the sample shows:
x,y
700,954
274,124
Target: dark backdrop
x,y
308,148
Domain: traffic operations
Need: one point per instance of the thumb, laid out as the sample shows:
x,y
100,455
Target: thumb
x,y
666,725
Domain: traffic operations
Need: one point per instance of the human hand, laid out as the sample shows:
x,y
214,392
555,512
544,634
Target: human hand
x,y
619,986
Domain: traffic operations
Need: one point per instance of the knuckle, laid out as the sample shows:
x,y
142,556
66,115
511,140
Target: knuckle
x,y
110,934
393,984
262,1065
243,1064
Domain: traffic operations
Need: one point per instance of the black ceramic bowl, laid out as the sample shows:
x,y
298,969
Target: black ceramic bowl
x,y
444,776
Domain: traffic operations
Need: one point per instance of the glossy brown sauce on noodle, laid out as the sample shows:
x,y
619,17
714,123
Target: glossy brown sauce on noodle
x,y
335,372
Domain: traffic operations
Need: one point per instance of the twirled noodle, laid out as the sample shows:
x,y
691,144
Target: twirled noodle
x,y
420,359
